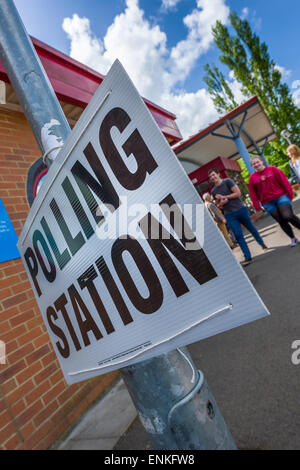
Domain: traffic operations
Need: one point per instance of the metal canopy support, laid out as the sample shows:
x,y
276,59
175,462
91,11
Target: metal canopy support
x,y
171,396
260,151
240,145
243,153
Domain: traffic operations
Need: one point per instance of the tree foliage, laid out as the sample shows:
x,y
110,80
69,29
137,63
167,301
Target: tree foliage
x,y
249,60
219,89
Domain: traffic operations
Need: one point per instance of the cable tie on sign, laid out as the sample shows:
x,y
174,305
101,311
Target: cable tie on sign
x,y
189,362
50,150
208,317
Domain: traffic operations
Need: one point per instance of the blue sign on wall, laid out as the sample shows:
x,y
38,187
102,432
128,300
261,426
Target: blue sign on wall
x,y
8,237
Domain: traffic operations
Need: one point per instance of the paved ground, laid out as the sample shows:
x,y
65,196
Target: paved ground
x,y
249,369
103,425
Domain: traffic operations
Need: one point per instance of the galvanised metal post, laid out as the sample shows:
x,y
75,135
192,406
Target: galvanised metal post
x,y
175,404
171,396
30,82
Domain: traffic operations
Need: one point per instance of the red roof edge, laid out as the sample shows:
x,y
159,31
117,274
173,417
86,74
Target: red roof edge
x,y
75,83
56,54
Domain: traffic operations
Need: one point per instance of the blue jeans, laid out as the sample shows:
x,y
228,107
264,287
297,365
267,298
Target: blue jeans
x,y
234,220
272,206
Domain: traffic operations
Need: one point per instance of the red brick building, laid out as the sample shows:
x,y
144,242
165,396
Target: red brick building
x,y
36,405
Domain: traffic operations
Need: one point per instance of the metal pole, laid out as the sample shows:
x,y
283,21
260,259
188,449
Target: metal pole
x,y
260,151
236,137
242,149
30,82
175,404
243,153
171,396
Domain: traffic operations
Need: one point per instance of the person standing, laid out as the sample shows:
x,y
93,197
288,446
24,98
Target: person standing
x,y
293,152
227,194
218,217
270,187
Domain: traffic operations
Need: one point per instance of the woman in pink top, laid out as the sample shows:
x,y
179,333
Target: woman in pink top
x,y
270,188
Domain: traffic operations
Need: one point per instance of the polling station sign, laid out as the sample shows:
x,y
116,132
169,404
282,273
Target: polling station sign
x,y
124,260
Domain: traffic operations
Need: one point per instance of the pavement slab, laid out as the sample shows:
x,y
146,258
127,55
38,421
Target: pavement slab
x,y
103,425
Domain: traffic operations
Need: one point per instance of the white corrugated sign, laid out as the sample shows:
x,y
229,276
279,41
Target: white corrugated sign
x,y
124,260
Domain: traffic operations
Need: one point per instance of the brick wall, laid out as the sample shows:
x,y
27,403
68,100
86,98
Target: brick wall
x,y
36,405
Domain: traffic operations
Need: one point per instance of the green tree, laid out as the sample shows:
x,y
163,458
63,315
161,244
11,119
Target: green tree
x,y
219,89
248,58
245,173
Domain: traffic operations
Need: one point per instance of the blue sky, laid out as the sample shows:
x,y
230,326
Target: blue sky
x,y
164,44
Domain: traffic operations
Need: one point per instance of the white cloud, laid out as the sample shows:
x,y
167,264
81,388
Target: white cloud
x,y
85,47
236,89
296,93
142,49
139,46
257,21
245,13
194,111
199,24
285,73
169,3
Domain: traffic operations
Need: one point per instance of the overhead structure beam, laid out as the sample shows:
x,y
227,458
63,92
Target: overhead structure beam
x,y
235,131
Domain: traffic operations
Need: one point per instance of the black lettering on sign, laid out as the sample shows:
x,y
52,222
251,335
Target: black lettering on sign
x,y
86,280
102,187
63,349
155,299
134,145
60,304
87,193
77,208
38,238
74,244
33,268
195,261
87,324
62,258
113,290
